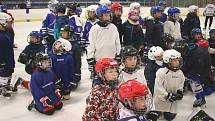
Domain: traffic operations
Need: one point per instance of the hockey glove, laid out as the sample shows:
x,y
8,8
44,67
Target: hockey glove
x,y
91,62
46,101
57,93
152,116
179,95
171,97
22,58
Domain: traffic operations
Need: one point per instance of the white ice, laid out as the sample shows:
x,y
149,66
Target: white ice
x,y
14,109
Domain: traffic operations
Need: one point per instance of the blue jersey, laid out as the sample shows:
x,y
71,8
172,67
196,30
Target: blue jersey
x,y
49,21
163,17
42,84
6,51
63,67
87,28
133,118
77,23
60,22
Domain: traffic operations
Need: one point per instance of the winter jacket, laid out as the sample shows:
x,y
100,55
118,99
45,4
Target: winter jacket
x,y
154,32
118,23
132,34
167,81
102,104
197,62
191,21
104,42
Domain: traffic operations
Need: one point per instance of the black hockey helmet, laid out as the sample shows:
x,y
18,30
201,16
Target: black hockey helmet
x,y
74,9
60,8
180,45
168,37
67,28
40,61
128,51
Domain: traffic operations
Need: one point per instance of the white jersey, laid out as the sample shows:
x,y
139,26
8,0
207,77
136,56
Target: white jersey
x,y
137,75
209,10
128,115
104,42
173,29
167,81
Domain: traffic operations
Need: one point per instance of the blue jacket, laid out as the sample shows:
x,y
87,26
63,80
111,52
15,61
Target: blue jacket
x,y
63,67
42,84
49,21
60,22
6,51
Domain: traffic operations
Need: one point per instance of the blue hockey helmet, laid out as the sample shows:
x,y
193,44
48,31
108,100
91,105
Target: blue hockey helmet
x,y
162,2
102,9
196,31
155,9
212,31
172,11
3,8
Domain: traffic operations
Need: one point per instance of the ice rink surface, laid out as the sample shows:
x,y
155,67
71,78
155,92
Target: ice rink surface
x,y
14,109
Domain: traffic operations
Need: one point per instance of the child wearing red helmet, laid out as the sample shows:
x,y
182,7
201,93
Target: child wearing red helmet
x,y
136,100
102,103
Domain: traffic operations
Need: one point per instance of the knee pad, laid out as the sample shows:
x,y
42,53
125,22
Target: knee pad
x,y
169,116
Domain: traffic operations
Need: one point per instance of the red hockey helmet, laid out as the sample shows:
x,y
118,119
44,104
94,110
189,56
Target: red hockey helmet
x,y
203,43
105,63
131,89
116,6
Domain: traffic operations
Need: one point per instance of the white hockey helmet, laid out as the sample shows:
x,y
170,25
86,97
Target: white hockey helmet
x,y
52,4
134,5
65,44
170,54
154,51
4,18
92,8
105,2
193,8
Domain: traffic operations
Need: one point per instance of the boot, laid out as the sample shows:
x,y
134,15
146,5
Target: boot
x,y
18,82
4,92
199,102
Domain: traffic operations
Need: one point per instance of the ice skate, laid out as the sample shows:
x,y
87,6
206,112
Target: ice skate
x,y
18,82
31,105
199,102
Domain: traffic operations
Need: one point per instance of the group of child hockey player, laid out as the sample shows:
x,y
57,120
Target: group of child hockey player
x,y
141,68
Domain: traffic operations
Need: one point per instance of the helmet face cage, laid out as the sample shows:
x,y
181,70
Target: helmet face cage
x,y
32,36
68,29
58,48
43,62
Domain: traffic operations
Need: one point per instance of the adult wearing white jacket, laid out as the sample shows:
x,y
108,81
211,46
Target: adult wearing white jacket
x,y
169,85
172,26
104,39
209,12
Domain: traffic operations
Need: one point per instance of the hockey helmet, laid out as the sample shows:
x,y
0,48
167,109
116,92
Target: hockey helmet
x,y
134,5
155,9
169,55
43,61
60,8
105,2
52,4
132,89
61,46
74,9
4,19
193,9
102,9
154,52
116,6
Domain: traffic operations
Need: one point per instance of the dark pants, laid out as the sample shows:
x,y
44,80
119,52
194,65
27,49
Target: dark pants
x,y
206,21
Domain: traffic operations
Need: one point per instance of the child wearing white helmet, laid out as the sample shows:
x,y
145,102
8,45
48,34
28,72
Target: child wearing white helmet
x,y
152,65
63,67
168,89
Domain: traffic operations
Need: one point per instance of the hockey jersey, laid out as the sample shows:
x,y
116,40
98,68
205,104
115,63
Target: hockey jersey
x,y
87,28
63,67
48,22
104,42
128,115
6,52
77,23
209,10
42,84
167,81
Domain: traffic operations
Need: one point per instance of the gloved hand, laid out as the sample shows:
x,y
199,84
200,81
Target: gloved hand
x,y
46,101
179,95
152,116
57,93
171,97
91,62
